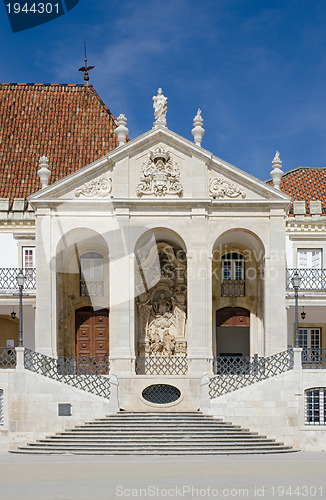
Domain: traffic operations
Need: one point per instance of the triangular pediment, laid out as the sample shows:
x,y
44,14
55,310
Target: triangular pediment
x,y
160,165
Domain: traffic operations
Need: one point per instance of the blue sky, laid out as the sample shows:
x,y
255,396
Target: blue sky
x,y
256,68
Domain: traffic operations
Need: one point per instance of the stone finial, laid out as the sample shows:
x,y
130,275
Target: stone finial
x,y
276,173
198,131
44,172
160,108
121,130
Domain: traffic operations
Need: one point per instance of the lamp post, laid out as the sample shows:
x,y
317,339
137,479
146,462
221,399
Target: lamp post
x,y
296,280
20,278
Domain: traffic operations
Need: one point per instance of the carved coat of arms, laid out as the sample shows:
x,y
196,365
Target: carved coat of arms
x,y
160,175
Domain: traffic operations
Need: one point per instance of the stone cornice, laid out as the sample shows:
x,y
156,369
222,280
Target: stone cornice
x,y
306,226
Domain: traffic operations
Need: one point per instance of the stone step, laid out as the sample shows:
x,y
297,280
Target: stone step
x,y
136,435
157,442
153,453
140,433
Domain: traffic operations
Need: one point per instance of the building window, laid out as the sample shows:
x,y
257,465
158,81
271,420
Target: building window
x,y
309,262
1,408
91,275
233,275
28,262
309,259
28,257
309,338
315,406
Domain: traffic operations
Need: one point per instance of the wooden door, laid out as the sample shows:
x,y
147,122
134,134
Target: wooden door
x,y
92,332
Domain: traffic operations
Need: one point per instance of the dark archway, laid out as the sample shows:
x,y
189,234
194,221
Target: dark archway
x,y
232,331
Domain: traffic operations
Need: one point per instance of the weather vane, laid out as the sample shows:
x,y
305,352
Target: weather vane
x,y
86,68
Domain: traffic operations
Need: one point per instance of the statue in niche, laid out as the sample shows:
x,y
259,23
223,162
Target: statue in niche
x,y
155,342
168,343
162,305
160,107
162,308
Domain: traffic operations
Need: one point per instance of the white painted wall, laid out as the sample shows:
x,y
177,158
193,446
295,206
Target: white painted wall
x,y
31,407
289,252
8,250
275,408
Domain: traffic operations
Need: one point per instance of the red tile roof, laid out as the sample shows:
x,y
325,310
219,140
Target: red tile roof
x,y
68,123
306,184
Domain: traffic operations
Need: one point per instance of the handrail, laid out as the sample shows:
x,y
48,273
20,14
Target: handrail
x,y
56,369
8,280
235,372
311,279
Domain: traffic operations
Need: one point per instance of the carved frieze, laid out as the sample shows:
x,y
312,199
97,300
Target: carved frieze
x,y
98,188
160,176
219,187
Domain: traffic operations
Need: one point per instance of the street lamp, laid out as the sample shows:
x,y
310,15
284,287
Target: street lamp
x,y
296,280
20,278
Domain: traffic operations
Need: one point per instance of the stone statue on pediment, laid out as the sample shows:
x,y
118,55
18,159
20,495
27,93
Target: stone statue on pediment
x,y
160,108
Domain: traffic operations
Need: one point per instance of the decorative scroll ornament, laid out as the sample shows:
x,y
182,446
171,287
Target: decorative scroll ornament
x,y
160,175
99,188
219,187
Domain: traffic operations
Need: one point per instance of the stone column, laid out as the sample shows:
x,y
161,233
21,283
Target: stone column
x,y
274,286
121,284
199,297
45,317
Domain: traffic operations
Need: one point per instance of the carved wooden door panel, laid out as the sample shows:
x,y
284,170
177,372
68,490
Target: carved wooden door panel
x,y
92,332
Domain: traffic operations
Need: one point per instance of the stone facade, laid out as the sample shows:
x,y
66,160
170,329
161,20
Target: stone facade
x,y
161,256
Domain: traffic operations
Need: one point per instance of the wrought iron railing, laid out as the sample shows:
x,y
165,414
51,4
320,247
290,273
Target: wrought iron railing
x,y
82,365
233,373
233,288
2,410
311,279
161,365
56,370
313,359
8,282
92,288
7,357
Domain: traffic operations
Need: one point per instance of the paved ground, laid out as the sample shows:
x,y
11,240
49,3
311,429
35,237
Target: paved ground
x,y
289,476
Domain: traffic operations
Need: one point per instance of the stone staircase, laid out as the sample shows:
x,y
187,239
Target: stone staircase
x,y
155,433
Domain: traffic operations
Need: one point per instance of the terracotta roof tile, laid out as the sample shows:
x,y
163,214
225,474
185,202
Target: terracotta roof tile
x,y
67,123
305,184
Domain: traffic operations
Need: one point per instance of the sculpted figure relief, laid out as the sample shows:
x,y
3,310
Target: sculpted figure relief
x,y
160,108
162,305
162,308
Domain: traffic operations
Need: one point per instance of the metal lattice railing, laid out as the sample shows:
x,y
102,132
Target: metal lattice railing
x,y
311,279
7,357
71,365
233,288
2,412
233,373
313,359
161,365
8,282
56,370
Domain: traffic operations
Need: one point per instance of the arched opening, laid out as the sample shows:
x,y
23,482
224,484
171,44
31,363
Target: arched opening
x,y
238,286
232,331
161,295
82,270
